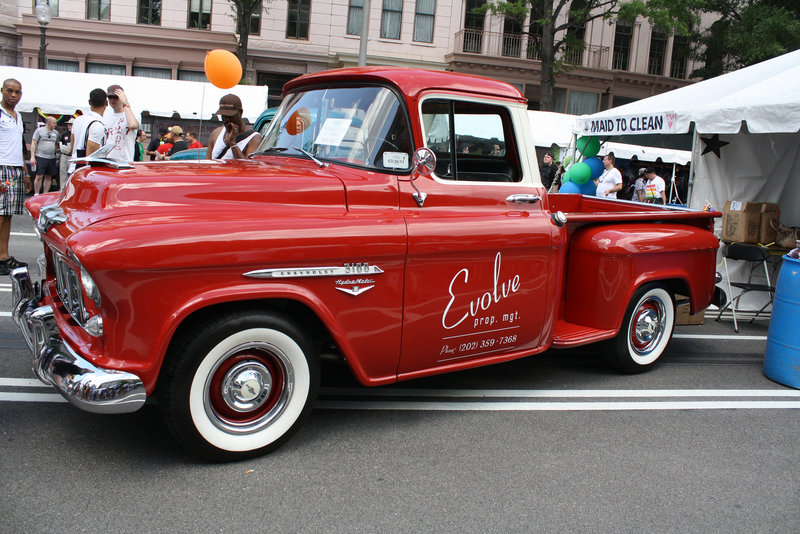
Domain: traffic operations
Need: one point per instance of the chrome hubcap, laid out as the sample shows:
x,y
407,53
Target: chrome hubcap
x,y
648,326
246,386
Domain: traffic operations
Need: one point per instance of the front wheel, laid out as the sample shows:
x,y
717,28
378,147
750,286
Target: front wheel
x,y
646,330
238,385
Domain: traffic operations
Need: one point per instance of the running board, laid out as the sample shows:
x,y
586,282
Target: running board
x,y
570,335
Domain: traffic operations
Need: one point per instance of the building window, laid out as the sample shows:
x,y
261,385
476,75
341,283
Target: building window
x,y
473,27
64,66
658,46
199,14
98,10
275,84
680,52
53,7
192,76
391,19
355,12
622,45
150,72
255,20
512,37
105,68
299,19
534,48
423,20
150,12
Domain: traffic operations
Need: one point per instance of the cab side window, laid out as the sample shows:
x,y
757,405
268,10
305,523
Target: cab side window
x,y
473,142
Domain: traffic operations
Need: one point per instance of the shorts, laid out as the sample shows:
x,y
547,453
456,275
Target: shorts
x,y
46,167
12,200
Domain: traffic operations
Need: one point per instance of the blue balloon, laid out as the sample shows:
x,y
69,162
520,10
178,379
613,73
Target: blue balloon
x,y
571,187
589,188
596,164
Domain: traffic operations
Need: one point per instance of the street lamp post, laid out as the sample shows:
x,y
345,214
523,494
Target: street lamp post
x,y
43,16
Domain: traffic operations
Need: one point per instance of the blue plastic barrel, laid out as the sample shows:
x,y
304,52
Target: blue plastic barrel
x,y
782,359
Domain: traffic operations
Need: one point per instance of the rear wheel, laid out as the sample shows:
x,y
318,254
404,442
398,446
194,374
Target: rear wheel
x,y
646,329
238,385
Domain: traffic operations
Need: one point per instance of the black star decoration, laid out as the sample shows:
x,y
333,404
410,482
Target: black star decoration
x,y
713,144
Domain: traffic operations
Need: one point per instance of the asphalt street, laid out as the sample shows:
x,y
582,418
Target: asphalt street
x,y
559,442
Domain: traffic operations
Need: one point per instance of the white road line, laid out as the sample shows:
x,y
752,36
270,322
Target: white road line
x,y
31,397
23,382
559,393
5,314
23,234
557,406
720,336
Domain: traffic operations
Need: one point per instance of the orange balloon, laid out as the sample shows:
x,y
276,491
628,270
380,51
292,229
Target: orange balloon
x,y
223,68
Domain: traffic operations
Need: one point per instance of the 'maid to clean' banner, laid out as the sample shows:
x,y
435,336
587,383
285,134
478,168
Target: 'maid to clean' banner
x,y
627,125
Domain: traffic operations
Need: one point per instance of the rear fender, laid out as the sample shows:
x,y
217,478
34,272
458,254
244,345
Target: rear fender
x,y
606,264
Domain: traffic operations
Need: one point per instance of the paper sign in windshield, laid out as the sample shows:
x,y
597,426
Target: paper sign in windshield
x,y
332,132
395,160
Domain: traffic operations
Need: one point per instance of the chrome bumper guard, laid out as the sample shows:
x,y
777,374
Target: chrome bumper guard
x,y
83,384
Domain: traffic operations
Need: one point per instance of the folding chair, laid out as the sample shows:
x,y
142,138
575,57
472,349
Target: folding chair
x,y
740,251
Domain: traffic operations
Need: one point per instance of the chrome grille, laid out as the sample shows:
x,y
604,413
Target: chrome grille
x,y
68,286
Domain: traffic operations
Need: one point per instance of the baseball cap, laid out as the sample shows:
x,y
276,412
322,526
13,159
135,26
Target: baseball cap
x,y
641,171
649,170
176,130
229,105
111,89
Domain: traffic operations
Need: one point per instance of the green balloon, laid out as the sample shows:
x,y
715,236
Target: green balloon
x,y
589,146
580,173
566,177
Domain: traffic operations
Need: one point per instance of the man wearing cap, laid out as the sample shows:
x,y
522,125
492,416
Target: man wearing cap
x,y
121,125
231,141
178,143
65,150
638,187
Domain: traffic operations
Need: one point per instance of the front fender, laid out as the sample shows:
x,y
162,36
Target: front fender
x,y
607,263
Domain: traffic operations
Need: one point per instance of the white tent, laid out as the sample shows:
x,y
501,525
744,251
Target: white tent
x,y
745,144
59,92
550,128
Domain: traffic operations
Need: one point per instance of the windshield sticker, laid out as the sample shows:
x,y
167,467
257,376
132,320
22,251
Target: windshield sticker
x,y
332,132
395,160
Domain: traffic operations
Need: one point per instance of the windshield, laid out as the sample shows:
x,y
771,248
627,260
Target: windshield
x,y
364,126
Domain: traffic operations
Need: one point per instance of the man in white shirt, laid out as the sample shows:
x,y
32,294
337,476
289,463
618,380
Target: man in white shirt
x,y
12,167
121,125
611,180
654,188
88,132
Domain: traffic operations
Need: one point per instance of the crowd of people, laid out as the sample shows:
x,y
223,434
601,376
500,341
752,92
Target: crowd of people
x,y
109,129
643,186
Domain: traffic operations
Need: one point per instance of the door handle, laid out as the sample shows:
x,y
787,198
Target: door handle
x,y
529,199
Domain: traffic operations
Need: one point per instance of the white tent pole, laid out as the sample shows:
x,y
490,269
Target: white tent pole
x,y
691,168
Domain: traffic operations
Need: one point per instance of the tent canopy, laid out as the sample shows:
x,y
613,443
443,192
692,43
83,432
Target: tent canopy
x,y
550,128
763,96
65,92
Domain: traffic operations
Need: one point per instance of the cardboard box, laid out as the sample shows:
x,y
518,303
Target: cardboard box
x,y
769,213
741,221
683,316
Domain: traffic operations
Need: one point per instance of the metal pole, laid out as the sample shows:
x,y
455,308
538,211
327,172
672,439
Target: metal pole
x,y
42,46
362,47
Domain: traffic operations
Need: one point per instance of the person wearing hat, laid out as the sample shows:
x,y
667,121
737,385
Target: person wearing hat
x,y
65,150
231,140
121,125
178,142
638,187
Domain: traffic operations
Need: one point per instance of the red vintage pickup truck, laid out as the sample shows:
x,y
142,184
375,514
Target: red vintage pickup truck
x,y
392,217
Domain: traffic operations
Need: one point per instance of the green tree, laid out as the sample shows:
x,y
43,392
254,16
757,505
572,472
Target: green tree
x,y
746,32
242,14
560,23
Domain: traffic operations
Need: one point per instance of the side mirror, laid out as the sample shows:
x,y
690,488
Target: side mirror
x,y
422,164
424,161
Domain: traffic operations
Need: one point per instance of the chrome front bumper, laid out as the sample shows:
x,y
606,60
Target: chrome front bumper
x,y
83,384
